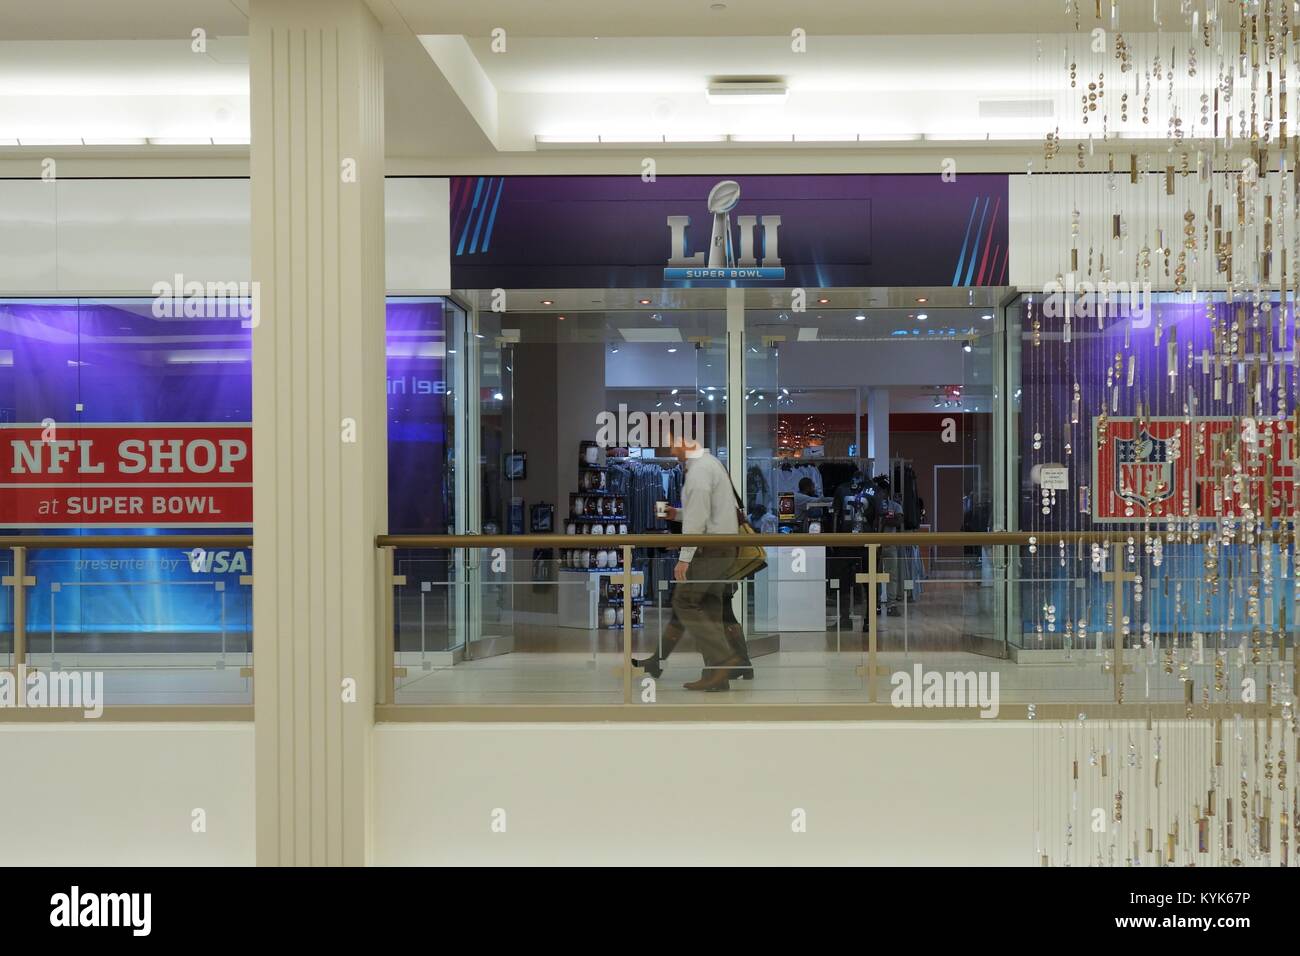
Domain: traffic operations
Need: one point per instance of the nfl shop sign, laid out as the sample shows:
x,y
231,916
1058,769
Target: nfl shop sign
x,y
1159,469
137,475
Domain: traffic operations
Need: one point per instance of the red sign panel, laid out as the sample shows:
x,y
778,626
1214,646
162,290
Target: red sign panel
x,y
1161,469
138,475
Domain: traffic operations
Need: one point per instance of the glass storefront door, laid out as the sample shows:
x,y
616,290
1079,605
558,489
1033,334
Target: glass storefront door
x,y
873,411
573,389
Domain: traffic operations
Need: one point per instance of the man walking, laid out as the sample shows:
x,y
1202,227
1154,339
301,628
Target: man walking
x,y
708,507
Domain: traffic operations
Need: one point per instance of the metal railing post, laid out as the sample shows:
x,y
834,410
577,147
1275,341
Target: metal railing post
x,y
385,666
872,579
19,581
627,624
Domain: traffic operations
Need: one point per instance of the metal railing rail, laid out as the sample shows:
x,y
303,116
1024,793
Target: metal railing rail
x,y
935,538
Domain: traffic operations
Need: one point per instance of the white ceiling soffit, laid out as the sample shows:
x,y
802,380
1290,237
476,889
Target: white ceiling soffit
x,y
771,18
579,92
124,91
139,95
160,19
465,75
121,19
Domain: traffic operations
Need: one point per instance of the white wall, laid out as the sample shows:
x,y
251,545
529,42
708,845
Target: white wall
x,y
123,794
893,793
1040,209
122,235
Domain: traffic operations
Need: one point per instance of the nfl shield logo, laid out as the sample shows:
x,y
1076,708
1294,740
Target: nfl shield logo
x,y
1144,474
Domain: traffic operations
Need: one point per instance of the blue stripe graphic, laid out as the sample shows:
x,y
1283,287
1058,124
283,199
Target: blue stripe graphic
x,y
478,189
975,249
961,260
478,226
493,218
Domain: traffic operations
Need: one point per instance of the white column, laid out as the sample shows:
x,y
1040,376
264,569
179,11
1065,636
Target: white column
x,y
878,429
319,421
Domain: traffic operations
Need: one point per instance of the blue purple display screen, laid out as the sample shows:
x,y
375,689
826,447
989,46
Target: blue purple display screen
x,y
81,361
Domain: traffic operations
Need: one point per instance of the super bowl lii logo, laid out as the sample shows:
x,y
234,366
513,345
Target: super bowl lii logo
x,y
724,262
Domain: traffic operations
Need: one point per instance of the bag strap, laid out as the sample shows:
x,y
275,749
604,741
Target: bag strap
x,y
740,505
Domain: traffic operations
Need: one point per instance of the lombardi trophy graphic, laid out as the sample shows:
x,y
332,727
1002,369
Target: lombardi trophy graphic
x,y
724,259
722,199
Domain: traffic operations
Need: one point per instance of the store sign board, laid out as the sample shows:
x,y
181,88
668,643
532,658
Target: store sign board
x,y
1159,469
138,475
809,231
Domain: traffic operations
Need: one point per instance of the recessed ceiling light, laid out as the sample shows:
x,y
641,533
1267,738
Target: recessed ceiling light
x,y
547,302
922,299
644,301
560,317
672,350
987,316
921,316
860,318
823,301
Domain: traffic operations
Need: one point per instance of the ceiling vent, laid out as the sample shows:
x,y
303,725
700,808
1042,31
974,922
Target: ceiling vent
x,y
744,90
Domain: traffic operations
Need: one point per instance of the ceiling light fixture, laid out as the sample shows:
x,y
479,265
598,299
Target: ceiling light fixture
x,y
860,318
548,302
921,316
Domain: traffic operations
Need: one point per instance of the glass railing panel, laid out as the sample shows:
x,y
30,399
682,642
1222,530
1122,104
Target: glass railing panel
x,y
523,626
542,627
156,626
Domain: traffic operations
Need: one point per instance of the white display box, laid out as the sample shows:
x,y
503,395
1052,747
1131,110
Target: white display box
x,y
786,599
